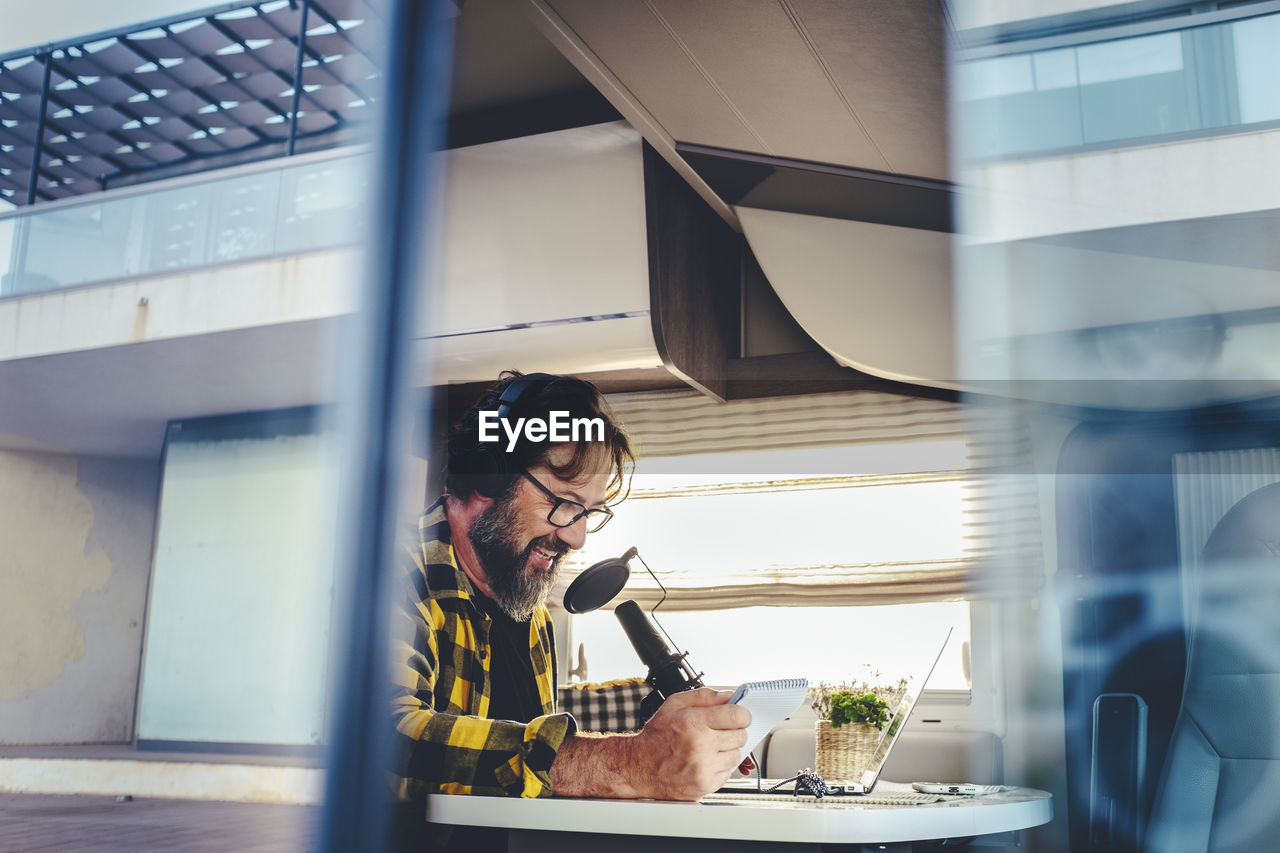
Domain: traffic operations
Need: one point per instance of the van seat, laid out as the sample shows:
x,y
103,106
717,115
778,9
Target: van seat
x,y
919,756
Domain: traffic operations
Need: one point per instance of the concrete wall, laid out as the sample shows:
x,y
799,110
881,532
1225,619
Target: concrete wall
x,y
268,292
1116,188
75,554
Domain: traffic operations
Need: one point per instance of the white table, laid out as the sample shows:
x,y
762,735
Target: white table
x,y
741,822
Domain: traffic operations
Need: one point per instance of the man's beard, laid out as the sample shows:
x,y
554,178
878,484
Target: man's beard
x,y
494,538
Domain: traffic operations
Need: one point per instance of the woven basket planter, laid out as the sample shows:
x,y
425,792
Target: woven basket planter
x,y
844,752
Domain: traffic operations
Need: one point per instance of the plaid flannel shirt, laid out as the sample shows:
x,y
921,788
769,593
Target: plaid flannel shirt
x,y
445,743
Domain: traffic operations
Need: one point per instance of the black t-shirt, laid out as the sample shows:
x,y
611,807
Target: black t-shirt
x,y
513,686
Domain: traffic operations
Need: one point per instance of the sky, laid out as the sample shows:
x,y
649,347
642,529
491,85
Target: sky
x,y
28,24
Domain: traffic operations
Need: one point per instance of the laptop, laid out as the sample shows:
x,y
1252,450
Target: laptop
x,y
888,738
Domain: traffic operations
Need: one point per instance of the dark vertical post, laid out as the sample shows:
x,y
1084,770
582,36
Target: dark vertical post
x,y
38,148
378,404
694,268
297,76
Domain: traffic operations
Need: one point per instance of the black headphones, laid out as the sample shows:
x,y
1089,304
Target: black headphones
x,y
489,459
510,397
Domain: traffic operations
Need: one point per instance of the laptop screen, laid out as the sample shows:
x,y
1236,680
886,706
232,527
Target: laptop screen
x,y
898,721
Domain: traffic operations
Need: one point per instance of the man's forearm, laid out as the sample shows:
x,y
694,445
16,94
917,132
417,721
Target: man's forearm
x,y
686,750
596,765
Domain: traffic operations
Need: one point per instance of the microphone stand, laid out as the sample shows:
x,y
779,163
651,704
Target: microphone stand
x,y
683,677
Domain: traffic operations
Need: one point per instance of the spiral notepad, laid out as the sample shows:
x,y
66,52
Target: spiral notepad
x,y
770,702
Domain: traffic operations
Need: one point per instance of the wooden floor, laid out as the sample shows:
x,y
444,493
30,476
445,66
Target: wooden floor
x,y
41,822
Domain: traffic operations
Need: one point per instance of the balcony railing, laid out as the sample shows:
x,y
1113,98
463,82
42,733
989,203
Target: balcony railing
x,y
265,209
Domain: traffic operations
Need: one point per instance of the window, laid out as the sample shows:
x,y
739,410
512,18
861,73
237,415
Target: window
x,y
892,532
767,555
850,557
1257,65
1129,89
830,644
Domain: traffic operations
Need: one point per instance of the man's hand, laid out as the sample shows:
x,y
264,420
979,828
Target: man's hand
x,y
686,750
691,744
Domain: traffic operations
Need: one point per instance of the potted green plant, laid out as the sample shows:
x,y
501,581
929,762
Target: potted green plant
x,y
866,708
851,722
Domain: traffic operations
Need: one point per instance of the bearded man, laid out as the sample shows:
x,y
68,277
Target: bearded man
x,y
474,706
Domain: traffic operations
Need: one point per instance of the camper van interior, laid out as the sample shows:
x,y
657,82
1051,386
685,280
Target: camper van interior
x,y
924,318
914,352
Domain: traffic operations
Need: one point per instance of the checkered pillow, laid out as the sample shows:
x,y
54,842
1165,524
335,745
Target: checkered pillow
x,y
611,706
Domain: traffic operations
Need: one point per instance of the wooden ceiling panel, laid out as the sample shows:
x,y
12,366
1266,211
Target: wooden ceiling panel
x,y
766,67
889,60
855,84
638,50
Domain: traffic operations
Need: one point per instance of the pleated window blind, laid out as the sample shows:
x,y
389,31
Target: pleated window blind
x,y
834,499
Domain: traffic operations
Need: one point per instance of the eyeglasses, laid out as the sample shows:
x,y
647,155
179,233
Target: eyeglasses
x,y
565,512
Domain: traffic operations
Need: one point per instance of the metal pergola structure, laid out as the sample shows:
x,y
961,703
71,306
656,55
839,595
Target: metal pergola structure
x,y
76,116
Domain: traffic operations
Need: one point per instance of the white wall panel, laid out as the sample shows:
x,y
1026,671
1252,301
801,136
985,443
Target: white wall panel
x,y
238,629
539,229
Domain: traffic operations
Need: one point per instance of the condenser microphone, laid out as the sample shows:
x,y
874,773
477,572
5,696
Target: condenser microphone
x,y
668,672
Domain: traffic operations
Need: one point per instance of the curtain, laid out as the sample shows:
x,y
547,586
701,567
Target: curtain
x,y
831,499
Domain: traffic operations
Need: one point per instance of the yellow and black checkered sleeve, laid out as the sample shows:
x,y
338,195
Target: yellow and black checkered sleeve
x,y
444,744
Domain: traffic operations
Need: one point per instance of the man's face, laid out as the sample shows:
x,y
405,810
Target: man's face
x,y
518,548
